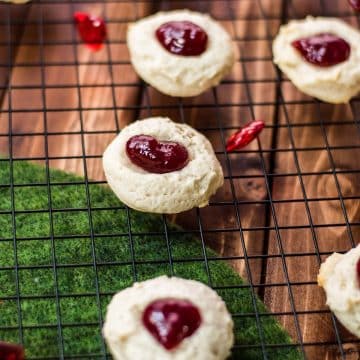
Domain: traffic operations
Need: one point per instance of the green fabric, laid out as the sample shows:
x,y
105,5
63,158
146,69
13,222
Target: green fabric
x,y
114,251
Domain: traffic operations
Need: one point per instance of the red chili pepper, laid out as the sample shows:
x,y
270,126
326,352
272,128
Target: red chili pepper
x,y
92,29
11,351
245,135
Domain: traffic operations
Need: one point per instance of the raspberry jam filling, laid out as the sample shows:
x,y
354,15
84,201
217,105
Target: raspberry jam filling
x,y
11,351
92,30
182,38
355,4
171,320
323,49
156,156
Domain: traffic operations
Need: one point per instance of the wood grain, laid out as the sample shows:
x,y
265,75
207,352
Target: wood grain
x,y
312,237
12,19
56,101
334,237
227,107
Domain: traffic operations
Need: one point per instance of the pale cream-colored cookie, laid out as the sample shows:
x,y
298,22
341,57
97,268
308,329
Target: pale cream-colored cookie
x,y
177,75
338,277
172,192
333,84
128,338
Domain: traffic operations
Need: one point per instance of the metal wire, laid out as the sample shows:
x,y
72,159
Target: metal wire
x,y
265,154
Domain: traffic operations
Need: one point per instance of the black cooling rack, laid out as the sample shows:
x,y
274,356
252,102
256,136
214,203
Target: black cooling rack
x,y
39,38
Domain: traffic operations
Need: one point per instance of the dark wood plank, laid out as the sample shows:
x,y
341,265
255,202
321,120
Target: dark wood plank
x,y
227,106
333,235
12,19
54,88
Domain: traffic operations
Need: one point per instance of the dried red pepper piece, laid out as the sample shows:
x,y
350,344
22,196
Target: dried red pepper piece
x,y
245,135
11,351
92,30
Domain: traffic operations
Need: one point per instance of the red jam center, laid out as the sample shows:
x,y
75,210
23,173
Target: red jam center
x,y
323,49
156,156
171,320
355,4
92,30
182,38
11,351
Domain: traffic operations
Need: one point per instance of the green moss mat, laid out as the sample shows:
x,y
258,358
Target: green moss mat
x,y
76,285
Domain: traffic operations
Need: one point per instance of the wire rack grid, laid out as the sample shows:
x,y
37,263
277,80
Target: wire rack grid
x,y
289,200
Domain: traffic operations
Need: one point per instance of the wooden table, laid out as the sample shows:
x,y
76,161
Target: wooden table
x,y
288,201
